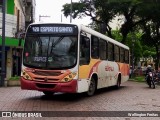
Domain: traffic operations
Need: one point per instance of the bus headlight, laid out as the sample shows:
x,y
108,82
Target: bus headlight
x,y
69,77
26,76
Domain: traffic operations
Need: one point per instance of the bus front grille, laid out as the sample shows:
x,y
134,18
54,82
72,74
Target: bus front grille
x,y
45,79
47,73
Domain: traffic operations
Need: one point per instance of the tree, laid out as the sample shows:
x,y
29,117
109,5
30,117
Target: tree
x,y
100,11
135,47
104,11
139,15
151,28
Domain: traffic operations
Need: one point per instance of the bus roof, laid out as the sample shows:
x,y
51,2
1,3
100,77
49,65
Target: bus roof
x,y
91,31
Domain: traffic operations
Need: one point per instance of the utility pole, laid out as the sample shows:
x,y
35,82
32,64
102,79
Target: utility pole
x,y
42,16
3,71
71,13
61,18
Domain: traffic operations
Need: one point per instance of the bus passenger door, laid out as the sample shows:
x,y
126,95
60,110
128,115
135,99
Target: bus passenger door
x,y
84,63
84,50
84,57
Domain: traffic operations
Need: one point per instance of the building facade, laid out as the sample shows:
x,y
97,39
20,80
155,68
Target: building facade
x,y
19,13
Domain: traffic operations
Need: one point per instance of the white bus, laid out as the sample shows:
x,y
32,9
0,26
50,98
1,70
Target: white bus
x,y
71,58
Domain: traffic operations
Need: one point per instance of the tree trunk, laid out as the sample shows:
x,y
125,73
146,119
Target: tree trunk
x,y
124,38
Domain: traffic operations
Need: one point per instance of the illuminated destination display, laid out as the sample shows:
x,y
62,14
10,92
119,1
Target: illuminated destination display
x,y
63,29
53,29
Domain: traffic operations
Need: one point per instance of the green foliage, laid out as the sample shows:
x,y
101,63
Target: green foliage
x,y
139,78
116,35
15,78
140,17
149,53
133,41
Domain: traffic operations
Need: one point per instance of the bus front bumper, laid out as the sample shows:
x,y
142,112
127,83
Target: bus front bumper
x,y
68,87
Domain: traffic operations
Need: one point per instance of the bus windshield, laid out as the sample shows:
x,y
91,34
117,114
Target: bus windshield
x,y
50,52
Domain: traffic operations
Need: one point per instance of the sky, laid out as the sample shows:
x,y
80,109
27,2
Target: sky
x,y
52,8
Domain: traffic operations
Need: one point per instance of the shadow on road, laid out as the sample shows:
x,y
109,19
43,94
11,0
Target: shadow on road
x,y
70,97
109,89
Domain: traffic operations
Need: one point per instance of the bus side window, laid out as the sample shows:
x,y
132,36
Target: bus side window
x,y
126,56
95,47
110,51
122,57
116,53
102,49
84,50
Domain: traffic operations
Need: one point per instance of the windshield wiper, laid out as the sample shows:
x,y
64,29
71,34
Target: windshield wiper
x,y
53,45
56,42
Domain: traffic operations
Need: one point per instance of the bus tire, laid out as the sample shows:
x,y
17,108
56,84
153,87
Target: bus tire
x,y
48,93
118,82
92,87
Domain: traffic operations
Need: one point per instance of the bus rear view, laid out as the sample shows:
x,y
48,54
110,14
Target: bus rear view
x,y
50,58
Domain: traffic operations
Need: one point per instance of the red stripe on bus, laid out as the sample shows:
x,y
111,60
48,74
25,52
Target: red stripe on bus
x,y
94,66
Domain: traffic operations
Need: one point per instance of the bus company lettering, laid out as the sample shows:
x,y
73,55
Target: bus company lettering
x,y
57,29
35,29
109,68
40,59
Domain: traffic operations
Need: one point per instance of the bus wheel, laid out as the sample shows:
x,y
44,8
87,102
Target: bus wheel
x,y
92,87
48,93
118,83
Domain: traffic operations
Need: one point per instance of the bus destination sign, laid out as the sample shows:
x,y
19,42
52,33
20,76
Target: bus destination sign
x,y
51,29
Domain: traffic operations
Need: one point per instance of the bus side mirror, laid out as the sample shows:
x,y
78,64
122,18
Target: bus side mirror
x,y
22,35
